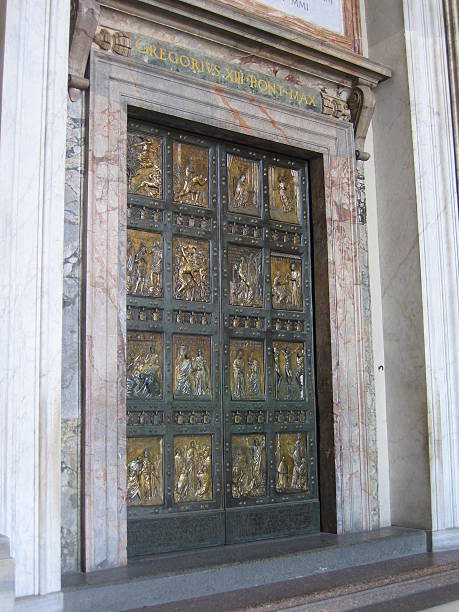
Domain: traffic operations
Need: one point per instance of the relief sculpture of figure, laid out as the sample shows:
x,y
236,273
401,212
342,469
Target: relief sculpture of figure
x,y
256,483
201,371
143,378
191,273
241,193
287,205
239,376
277,372
184,375
147,179
155,269
140,269
282,475
288,369
193,472
279,289
133,484
130,255
300,371
293,278
193,187
245,287
299,474
144,479
254,376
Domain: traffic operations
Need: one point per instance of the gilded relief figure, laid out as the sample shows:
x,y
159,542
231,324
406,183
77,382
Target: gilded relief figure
x,y
144,165
248,465
247,375
145,471
191,366
299,376
239,391
191,269
246,276
243,185
288,358
144,365
286,283
192,468
192,187
191,174
284,194
291,462
144,261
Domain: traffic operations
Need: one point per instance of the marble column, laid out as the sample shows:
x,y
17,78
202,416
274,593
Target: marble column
x,y
32,158
437,207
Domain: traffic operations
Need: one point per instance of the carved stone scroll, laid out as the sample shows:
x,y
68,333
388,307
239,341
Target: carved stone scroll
x,y
85,17
361,103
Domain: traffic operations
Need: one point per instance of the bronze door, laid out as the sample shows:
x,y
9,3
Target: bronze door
x,y
221,441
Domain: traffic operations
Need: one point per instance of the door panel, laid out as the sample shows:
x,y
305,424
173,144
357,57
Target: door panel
x,y
221,441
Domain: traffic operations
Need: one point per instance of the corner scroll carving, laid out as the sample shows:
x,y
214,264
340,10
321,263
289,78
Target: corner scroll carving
x,y
362,104
85,18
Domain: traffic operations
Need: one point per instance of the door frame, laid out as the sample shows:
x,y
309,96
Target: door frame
x,y
346,456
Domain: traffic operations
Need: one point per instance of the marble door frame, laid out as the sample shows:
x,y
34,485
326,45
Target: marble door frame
x,y
116,84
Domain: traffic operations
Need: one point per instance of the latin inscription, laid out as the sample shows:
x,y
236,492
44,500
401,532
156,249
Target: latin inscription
x,y
181,60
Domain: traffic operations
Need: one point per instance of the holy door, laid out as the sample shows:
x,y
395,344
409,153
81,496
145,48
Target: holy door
x,y
221,438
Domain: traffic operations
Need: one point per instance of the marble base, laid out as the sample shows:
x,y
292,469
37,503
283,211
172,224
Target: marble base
x,y
445,539
52,602
6,576
179,577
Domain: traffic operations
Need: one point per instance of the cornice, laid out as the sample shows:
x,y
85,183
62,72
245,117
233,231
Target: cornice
x,y
224,24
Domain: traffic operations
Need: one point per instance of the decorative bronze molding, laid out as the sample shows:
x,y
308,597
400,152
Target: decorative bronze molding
x,y
84,20
361,103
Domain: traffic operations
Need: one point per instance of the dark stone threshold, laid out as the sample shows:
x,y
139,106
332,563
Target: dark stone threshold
x,y
399,585
176,578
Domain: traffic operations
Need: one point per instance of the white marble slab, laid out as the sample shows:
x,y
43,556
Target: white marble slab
x,y
324,13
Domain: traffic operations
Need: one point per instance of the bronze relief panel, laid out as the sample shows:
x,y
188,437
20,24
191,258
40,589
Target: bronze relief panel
x,y
191,269
192,367
248,452
191,174
289,376
145,165
291,463
246,276
144,365
243,186
144,263
192,468
284,194
286,282
247,369
145,480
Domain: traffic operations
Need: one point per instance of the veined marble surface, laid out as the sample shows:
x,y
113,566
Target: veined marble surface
x,y
71,340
